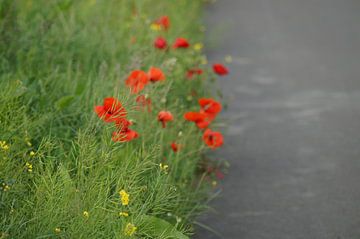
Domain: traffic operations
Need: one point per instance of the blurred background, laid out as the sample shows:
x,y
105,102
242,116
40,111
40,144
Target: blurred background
x,y
293,119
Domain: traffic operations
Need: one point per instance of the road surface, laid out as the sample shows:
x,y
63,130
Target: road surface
x,y
293,136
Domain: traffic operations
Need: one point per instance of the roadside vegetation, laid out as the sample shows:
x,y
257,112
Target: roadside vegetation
x,y
105,118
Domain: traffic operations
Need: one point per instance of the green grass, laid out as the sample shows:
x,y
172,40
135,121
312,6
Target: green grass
x,y
60,58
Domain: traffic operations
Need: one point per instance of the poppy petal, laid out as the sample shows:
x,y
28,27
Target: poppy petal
x,y
194,116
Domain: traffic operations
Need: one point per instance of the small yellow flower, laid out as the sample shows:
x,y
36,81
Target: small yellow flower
x,y
204,60
4,146
29,167
164,167
198,46
124,197
5,187
228,59
57,230
155,27
129,229
86,214
123,214
32,154
214,183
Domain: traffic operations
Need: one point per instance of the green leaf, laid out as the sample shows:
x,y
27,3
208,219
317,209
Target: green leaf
x,y
64,102
65,178
157,228
80,88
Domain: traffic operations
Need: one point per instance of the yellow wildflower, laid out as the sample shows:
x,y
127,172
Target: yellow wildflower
x,y
86,214
155,27
5,187
198,46
32,154
129,229
3,145
123,214
124,197
164,167
204,60
29,167
228,59
57,230
214,183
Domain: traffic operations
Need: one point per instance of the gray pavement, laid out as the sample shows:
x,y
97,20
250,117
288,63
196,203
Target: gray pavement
x,y
293,136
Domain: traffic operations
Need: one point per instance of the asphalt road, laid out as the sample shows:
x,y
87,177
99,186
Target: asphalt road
x,y
293,136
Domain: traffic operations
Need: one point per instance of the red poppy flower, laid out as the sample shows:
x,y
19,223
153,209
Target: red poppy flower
x,y
219,175
194,71
181,43
122,124
200,119
210,106
123,132
213,139
164,22
137,81
124,136
156,74
220,69
160,43
111,110
143,102
175,147
209,169
165,116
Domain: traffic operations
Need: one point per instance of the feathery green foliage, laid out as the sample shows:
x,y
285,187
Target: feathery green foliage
x,y
60,58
